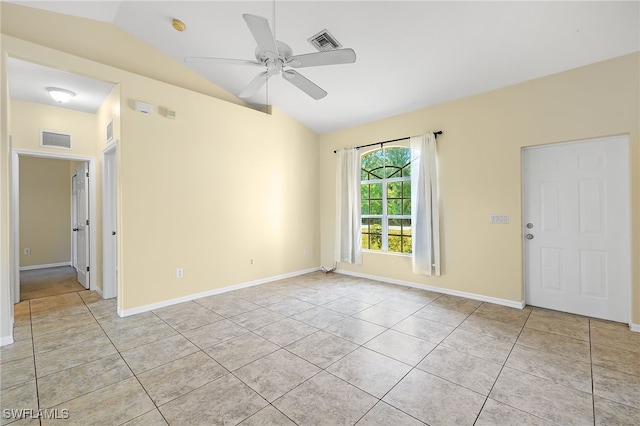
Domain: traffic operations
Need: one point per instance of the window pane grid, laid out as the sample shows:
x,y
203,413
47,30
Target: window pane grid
x,y
386,200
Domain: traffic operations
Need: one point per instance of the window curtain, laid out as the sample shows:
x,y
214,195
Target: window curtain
x,y
348,237
425,217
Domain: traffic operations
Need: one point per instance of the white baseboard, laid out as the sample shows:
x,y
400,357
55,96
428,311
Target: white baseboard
x,y
165,303
634,327
6,340
99,291
49,265
503,302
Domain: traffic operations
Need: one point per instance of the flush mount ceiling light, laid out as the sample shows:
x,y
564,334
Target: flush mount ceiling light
x,y
60,95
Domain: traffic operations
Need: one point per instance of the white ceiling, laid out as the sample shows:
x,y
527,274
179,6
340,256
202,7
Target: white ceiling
x,y
29,82
410,54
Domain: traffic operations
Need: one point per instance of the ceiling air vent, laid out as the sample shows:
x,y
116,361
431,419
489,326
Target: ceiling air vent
x,y
323,41
55,139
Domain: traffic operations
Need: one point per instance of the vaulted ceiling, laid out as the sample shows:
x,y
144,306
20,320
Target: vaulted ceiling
x,y
410,54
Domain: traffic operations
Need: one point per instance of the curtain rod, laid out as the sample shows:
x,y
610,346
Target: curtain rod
x,y
439,132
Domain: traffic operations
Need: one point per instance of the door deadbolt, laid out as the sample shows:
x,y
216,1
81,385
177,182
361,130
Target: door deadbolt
x,y
529,236
529,225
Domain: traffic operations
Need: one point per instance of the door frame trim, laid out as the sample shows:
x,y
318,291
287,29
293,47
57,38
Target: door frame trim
x,y
74,242
109,287
625,138
14,232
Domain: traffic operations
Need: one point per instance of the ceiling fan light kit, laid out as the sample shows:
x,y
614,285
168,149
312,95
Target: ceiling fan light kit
x,y
278,58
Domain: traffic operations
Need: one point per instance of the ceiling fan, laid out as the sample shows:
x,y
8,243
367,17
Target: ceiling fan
x,y
278,58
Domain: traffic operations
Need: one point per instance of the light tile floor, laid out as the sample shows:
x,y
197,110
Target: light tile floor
x,y
317,350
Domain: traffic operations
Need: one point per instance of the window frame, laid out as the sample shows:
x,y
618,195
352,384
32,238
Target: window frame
x,y
384,217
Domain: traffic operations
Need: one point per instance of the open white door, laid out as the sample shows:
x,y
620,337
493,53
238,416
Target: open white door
x,y
577,228
81,194
74,221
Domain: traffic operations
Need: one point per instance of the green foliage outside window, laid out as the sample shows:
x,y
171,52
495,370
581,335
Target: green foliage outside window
x,y
386,199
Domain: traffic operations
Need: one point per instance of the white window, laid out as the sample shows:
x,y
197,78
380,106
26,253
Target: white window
x,y
386,199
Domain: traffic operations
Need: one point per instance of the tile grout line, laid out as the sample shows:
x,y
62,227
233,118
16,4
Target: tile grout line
x,y
229,372
593,390
358,346
321,368
128,366
35,367
502,369
516,342
408,372
415,367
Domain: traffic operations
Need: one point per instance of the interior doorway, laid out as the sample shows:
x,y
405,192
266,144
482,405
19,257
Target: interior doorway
x,y
110,221
88,163
45,282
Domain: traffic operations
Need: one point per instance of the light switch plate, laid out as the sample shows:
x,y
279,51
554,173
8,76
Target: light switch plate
x,y
499,219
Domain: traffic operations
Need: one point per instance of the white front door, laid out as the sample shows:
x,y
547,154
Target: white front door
x,y
82,214
576,227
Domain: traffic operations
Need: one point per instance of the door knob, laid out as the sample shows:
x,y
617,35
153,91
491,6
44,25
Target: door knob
x,y
75,229
529,236
113,232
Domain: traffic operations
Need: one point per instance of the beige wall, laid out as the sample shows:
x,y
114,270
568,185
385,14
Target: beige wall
x,y
28,118
45,211
208,192
480,168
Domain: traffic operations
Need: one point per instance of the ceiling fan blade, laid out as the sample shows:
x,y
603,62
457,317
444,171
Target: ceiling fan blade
x,y
208,60
255,85
261,31
330,57
304,84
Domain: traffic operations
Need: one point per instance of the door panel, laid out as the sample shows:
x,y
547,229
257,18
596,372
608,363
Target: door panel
x,y
592,202
577,250
551,259
550,206
593,273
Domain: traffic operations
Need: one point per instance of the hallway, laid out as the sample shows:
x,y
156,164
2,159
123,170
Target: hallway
x,y
46,282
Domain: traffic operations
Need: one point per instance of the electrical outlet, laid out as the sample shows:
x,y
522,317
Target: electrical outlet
x,y
27,251
179,273
304,252
252,261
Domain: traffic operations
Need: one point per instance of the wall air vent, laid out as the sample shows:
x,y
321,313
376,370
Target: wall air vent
x,y
323,41
55,139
